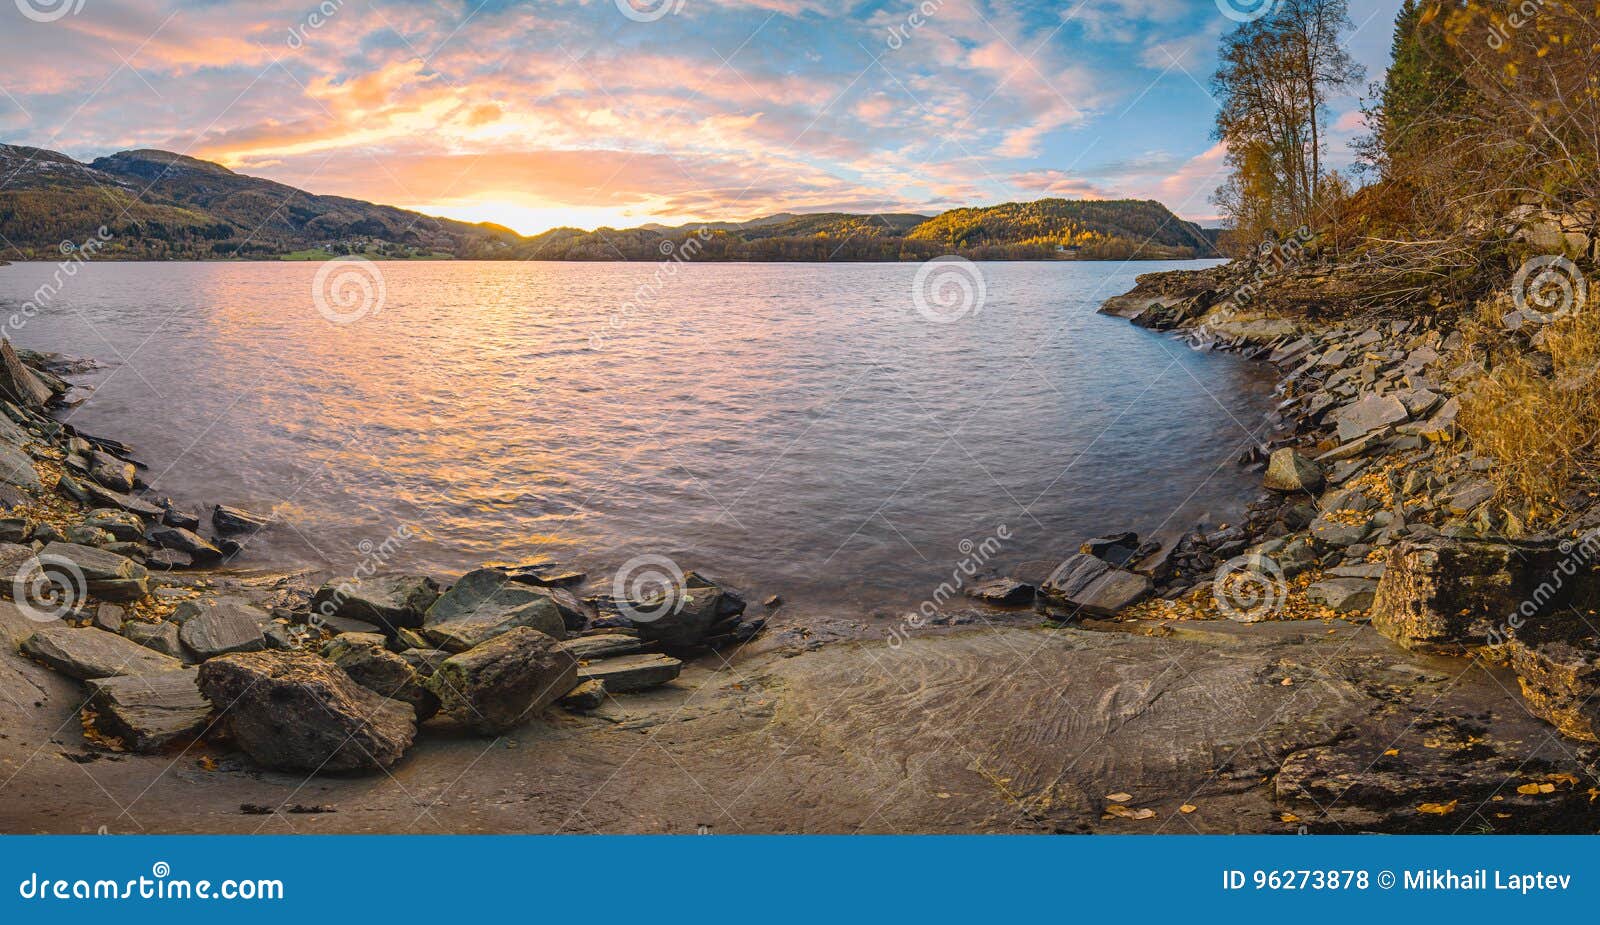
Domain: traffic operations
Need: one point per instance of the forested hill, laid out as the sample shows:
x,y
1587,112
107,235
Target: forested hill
x,y
158,205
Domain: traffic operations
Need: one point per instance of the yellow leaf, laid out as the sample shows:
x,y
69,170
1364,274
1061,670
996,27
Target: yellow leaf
x,y
1289,817
1119,797
1529,789
1187,808
1392,752
1438,809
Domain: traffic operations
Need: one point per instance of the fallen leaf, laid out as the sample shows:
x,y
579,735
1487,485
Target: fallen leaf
x,y
1438,809
207,763
1529,789
1187,808
1119,797
1392,752
1289,817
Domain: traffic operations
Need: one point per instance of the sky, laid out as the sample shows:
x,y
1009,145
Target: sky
x,y
618,113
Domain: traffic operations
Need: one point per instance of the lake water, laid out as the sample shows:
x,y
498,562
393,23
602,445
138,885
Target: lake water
x,y
803,430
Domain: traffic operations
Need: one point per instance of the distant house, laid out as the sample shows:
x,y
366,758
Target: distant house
x,y
1066,251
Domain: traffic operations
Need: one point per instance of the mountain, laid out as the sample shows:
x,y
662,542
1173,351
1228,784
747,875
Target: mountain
x,y
159,205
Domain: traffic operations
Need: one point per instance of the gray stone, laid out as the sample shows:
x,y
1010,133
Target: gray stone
x,y
1334,528
1344,595
392,601
223,626
122,525
16,468
1561,684
498,685
1094,586
149,712
680,618
1368,414
364,658
19,383
15,529
228,520
108,617
162,637
484,604
113,473
86,653
106,497
108,576
1463,498
588,695
629,673
294,711
608,645
1003,592
178,539
543,574
1289,471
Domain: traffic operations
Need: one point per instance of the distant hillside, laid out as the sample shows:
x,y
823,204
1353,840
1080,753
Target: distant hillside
x,y
158,205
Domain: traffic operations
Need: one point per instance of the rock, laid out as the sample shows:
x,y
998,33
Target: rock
x,y
149,712
1003,592
608,645
1094,586
19,383
167,560
89,653
424,661
108,576
293,711
588,695
1450,596
179,539
1367,414
119,523
1341,528
484,604
15,529
1101,545
108,617
364,658
105,497
680,617
228,520
183,520
16,468
498,685
632,672
1344,595
85,535
223,626
162,637
1289,471
113,473
392,601
543,574
1353,448
1560,682
1463,498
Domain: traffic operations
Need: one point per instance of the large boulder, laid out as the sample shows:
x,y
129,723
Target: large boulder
x,y
107,575
1086,584
148,712
391,601
365,659
293,711
87,653
484,604
1450,596
502,683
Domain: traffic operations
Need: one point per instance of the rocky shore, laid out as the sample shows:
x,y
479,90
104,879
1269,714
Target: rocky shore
x,y
1382,645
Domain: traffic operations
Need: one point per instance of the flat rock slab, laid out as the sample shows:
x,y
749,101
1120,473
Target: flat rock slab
x,y
1085,584
109,576
632,672
149,712
609,645
393,601
1368,414
484,604
87,653
222,627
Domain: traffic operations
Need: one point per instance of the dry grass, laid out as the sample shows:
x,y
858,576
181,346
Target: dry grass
x,y
1537,413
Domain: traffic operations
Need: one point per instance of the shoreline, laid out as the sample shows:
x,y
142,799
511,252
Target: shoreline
x,y
1284,707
